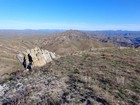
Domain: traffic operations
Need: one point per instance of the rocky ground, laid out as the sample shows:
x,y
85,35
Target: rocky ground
x,y
101,77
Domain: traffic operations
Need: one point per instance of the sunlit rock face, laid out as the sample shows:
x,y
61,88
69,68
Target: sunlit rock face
x,y
36,57
1,91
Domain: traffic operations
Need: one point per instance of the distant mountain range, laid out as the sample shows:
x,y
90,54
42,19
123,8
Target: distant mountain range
x,y
122,38
27,32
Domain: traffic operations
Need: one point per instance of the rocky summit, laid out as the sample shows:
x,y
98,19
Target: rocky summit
x,y
35,57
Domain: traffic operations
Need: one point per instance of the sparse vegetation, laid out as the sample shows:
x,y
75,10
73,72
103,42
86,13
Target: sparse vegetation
x,y
95,76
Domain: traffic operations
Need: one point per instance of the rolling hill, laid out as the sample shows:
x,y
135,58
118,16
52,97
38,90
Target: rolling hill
x,y
71,41
61,43
90,71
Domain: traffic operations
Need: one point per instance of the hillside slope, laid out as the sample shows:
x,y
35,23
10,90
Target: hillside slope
x,y
61,43
71,41
10,47
102,77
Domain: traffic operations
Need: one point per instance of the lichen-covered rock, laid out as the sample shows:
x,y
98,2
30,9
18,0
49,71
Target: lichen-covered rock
x,y
1,90
35,57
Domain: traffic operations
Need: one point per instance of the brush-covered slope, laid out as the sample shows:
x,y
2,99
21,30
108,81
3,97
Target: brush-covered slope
x,y
94,72
71,41
101,77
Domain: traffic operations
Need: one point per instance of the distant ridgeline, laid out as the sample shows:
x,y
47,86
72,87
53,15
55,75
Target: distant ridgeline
x,y
122,38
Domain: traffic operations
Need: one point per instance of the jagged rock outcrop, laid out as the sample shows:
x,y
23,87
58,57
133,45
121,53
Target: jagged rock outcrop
x,y
36,57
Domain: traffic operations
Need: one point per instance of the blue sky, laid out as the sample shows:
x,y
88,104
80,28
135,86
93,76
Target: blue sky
x,y
70,14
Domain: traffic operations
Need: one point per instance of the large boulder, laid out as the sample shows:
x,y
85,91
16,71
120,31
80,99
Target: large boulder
x,y
35,57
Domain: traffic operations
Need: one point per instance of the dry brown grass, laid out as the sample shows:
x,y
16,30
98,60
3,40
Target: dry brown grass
x,y
106,76
61,43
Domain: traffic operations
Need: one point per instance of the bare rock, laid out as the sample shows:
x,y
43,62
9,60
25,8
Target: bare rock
x,y
20,58
36,57
1,90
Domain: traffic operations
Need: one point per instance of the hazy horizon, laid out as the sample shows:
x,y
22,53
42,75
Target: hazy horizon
x,y
60,30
